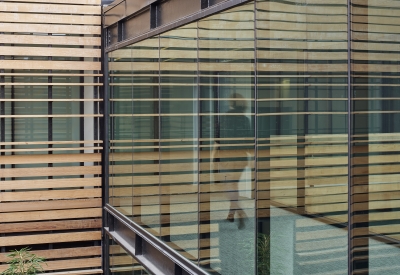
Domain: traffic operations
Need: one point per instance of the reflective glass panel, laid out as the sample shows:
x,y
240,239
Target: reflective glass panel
x,y
179,140
302,137
227,91
375,136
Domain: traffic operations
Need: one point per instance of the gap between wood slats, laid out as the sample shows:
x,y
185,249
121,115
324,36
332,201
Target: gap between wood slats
x,y
52,142
50,40
47,74
49,65
36,51
50,205
50,149
50,8
49,183
49,28
51,84
55,100
46,116
50,18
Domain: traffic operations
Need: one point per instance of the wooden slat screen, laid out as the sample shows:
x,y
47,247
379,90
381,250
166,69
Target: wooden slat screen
x,y
50,176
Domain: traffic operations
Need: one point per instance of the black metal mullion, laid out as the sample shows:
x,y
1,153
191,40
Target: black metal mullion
x,y
12,119
350,247
104,135
82,110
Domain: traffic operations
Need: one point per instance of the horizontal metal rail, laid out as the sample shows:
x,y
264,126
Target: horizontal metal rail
x,y
152,253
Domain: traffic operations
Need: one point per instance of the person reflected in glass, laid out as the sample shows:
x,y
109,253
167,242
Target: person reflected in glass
x,y
232,129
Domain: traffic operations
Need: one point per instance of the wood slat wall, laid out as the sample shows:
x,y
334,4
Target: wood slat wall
x,y
50,174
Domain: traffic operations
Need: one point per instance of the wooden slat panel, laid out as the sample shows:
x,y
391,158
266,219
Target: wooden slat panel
x,y
31,206
50,8
49,171
50,183
68,264
49,28
53,226
50,238
62,253
50,215
50,195
53,40
49,65
53,158
50,205
35,51
80,2
50,18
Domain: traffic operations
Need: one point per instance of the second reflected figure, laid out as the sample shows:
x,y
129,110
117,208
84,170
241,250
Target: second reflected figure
x,y
230,156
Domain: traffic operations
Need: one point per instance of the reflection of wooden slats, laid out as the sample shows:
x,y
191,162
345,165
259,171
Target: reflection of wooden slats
x,y
325,9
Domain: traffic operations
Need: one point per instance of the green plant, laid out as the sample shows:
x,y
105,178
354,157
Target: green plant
x,y
263,254
23,262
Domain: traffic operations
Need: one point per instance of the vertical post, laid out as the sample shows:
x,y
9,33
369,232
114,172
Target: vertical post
x,y
82,110
349,147
2,120
104,135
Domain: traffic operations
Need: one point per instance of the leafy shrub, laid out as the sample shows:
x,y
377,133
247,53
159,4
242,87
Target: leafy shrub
x,y
23,262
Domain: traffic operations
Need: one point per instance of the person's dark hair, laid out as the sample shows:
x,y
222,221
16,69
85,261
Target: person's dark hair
x,y
237,102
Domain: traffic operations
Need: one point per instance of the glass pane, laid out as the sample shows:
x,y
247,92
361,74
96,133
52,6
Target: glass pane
x,y
146,123
121,263
227,204
302,137
179,140
376,136
121,159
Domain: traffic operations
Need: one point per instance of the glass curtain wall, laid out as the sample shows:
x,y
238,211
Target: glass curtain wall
x,y
230,138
